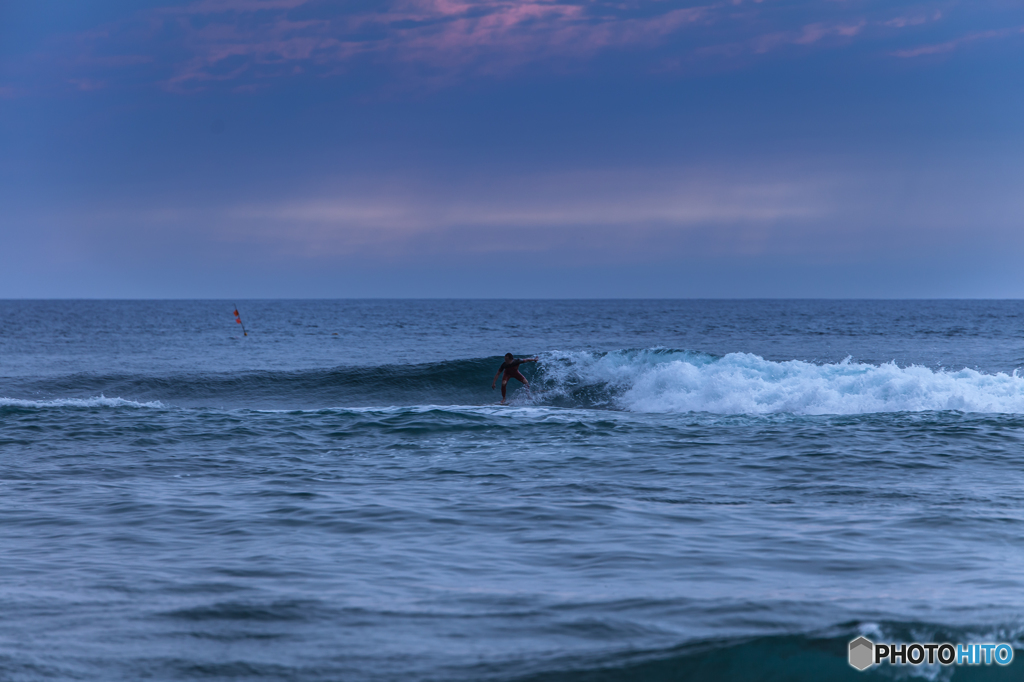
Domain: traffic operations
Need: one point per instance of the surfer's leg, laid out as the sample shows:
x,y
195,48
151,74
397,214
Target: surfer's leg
x,y
519,376
504,383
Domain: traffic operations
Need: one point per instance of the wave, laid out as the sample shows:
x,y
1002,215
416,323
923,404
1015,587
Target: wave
x,y
654,380
662,380
796,657
97,401
455,382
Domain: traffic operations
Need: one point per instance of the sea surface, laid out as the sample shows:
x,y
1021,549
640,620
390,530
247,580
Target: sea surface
x,y
690,490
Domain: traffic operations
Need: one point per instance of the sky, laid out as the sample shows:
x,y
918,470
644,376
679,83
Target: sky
x,y
511,149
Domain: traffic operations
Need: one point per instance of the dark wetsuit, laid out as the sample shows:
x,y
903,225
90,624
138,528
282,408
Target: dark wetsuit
x,y
511,370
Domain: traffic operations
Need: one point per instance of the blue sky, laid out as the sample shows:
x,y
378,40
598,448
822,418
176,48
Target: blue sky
x,y
648,148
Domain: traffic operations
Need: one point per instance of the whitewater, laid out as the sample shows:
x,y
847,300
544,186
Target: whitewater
x,y
654,380
660,380
689,490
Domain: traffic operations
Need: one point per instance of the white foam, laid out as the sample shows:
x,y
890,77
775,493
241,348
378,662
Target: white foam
x,y
741,383
525,409
98,401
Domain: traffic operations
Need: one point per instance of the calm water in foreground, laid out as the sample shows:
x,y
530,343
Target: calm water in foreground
x,y
692,490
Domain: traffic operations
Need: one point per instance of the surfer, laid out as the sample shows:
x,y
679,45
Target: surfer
x,y
511,369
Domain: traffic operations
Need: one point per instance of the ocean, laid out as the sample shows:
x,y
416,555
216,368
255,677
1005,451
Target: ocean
x,y
689,490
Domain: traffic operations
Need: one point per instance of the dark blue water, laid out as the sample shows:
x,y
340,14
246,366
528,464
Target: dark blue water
x,y
691,490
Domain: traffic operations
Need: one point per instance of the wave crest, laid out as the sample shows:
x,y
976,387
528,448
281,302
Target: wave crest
x,y
659,380
98,401
656,380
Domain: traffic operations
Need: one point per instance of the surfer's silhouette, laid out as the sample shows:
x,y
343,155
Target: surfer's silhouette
x,y
511,369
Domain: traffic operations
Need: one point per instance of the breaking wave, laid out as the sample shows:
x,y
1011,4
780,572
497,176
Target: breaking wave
x,y
98,401
656,380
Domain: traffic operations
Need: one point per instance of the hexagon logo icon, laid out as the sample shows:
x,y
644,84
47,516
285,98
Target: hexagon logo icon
x,y
862,653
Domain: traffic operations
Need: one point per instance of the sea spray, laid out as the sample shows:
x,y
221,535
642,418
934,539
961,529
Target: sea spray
x,y
663,380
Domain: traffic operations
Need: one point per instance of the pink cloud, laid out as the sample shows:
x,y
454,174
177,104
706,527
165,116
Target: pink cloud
x,y
807,35
514,34
903,22
812,33
483,35
246,43
950,45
